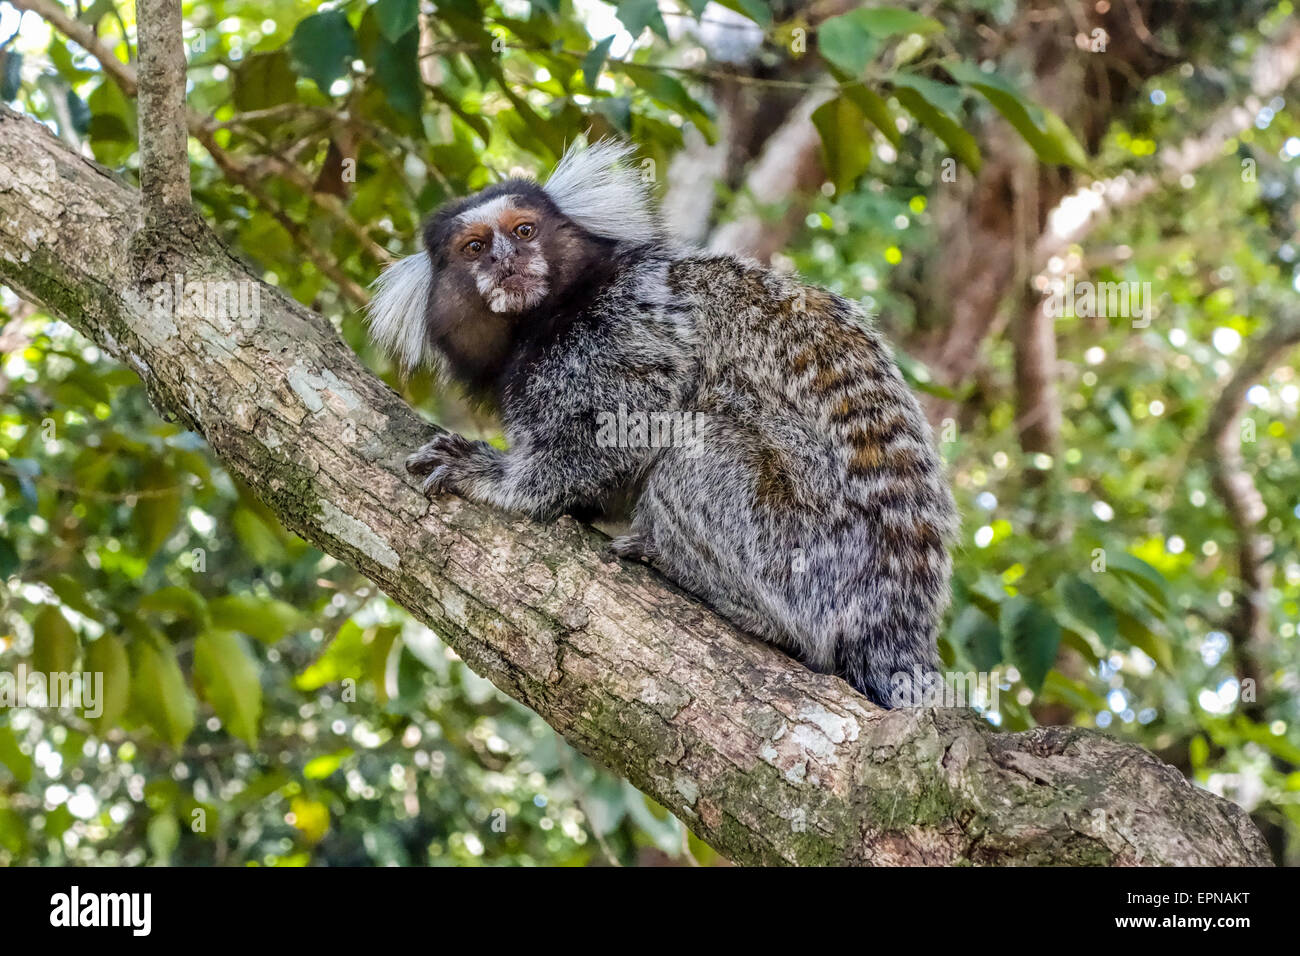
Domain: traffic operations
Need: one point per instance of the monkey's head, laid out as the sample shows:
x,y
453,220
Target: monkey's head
x,y
505,250
505,257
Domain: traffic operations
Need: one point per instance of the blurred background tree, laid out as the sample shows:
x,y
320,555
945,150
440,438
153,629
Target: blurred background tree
x,y
1130,486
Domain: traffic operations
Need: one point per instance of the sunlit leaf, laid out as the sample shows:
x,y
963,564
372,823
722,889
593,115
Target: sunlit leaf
x,y
159,691
228,676
846,143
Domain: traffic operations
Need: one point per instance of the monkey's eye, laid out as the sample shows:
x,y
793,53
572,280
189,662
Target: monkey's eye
x,y
525,230
473,247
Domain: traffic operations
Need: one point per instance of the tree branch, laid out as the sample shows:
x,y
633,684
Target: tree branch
x,y
1235,487
164,143
763,759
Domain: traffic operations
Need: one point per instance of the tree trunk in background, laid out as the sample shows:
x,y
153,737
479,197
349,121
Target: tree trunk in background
x,y
764,760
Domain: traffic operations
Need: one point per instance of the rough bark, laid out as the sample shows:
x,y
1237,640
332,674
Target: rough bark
x,y
164,145
764,760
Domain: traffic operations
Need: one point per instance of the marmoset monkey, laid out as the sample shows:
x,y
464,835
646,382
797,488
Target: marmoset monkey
x,y
778,465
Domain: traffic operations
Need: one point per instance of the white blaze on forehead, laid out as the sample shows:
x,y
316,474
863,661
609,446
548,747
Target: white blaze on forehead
x,y
488,213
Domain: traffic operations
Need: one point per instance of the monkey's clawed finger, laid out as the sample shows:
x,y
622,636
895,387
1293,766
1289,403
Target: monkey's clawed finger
x,y
438,482
437,452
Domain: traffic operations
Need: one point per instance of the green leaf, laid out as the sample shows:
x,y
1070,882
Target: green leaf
x,y
72,593
1086,603
107,657
1033,637
264,80
670,93
323,46
318,768
158,510
266,619
159,692
177,603
397,71
1073,639
18,763
344,657
396,17
756,10
1043,130
55,646
874,108
228,676
1075,693
852,40
163,836
979,638
1147,578
893,21
261,542
9,560
58,821
112,125
846,142
917,95
96,12
845,44
636,15
594,62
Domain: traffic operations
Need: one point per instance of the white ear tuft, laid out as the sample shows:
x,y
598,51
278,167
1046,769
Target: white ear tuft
x,y
601,191
397,312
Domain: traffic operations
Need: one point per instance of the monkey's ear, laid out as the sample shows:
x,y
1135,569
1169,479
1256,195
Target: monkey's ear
x,y
397,312
598,188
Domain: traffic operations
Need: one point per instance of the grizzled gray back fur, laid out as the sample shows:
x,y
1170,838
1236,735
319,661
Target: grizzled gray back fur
x,y
789,477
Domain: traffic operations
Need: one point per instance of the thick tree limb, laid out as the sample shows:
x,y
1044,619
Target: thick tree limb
x,y
764,760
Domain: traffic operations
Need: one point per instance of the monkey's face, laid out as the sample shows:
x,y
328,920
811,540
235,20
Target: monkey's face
x,y
501,245
501,260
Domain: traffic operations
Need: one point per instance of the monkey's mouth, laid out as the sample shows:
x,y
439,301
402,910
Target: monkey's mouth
x,y
515,293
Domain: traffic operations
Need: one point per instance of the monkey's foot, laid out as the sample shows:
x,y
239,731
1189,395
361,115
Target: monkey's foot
x,y
632,547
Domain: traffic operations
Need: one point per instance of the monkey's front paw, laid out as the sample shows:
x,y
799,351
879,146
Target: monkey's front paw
x,y
447,446
448,462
